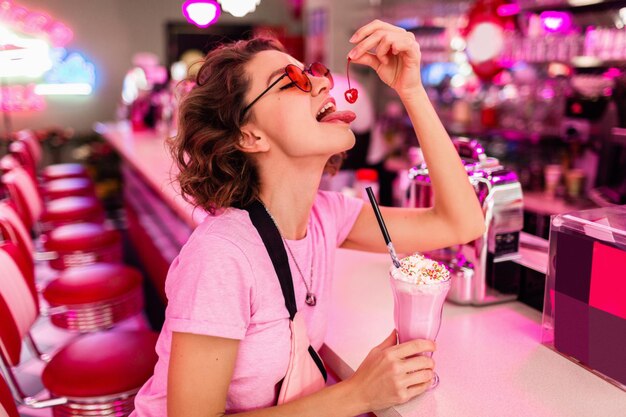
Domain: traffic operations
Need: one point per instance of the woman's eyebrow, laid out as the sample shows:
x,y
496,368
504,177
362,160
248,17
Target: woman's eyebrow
x,y
273,74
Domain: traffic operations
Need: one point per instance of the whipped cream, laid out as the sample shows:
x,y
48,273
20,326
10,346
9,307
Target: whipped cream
x,y
417,269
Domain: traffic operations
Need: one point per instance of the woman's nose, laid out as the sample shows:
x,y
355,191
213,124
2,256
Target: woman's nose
x,y
320,84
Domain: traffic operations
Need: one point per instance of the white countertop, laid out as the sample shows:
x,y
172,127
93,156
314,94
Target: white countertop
x,y
489,359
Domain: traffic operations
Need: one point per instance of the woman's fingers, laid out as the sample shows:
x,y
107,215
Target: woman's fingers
x,y
368,59
415,390
383,41
417,378
417,363
383,48
370,28
364,46
414,347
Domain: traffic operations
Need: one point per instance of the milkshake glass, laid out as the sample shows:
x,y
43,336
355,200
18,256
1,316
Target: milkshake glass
x,y
419,287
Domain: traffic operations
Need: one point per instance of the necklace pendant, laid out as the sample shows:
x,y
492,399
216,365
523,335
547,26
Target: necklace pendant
x,y
310,299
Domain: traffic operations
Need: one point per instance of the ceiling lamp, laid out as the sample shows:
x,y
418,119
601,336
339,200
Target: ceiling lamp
x,y
201,13
239,8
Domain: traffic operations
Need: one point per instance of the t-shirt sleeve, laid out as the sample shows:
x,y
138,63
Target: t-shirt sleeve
x,y
210,289
344,209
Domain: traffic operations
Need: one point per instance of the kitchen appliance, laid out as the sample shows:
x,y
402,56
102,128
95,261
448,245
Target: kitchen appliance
x,y
482,270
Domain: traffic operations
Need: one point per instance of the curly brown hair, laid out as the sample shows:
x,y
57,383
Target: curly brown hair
x,y
213,172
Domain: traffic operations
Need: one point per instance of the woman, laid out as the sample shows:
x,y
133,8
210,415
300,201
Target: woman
x,y
248,132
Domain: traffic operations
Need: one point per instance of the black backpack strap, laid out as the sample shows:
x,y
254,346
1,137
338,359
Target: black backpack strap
x,y
276,249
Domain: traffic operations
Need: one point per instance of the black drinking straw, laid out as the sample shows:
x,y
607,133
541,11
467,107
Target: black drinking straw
x,y
383,228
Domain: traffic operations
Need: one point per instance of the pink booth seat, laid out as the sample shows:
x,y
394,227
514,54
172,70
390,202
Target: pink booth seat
x,y
97,374
8,407
21,153
82,244
68,187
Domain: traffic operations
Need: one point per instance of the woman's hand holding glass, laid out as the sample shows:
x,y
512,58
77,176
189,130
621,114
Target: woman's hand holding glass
x,y
395,55
393,374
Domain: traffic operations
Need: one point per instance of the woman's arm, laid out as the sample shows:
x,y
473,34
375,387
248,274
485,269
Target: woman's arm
x,y
456,216
201,368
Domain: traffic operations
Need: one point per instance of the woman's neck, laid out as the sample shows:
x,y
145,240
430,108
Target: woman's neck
x,y
288,193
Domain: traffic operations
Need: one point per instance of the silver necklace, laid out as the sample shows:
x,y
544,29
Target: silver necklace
x,y
310,299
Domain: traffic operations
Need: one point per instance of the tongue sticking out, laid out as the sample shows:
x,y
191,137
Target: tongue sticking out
x,y
343,116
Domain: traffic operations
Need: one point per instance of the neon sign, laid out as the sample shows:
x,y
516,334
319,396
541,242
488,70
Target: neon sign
x,y
38,53
34,23
17,98
21,57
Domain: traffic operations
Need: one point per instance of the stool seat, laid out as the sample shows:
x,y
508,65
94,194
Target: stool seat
x,y
102,364
80,237
82,244
91,284
73,209
58,171
69,187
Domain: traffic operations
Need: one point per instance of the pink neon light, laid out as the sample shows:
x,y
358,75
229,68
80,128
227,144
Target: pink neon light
x,y
556,21
202,13
34,23
60,34
505,10
19,98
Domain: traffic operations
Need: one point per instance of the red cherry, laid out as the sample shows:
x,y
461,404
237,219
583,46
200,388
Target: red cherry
x,y
351,95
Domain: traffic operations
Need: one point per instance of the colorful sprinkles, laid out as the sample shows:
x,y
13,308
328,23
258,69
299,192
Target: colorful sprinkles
x,y
418,269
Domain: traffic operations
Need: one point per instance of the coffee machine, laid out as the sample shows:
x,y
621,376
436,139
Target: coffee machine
x,y
483,271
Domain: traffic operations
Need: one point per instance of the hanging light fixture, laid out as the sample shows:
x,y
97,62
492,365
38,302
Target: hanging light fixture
x,y
201,13
239,8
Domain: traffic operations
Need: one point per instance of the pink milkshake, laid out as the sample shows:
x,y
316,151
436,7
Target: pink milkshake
x,y
420,286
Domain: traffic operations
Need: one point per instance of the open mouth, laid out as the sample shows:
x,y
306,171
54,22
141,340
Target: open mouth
x,y
327,109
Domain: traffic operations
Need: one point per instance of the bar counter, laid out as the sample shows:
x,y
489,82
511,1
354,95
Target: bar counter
x,y
489,359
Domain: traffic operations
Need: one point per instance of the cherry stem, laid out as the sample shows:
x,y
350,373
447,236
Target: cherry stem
x,y
348,72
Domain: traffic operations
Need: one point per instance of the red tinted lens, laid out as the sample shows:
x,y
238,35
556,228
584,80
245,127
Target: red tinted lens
x,y
299,78
319,70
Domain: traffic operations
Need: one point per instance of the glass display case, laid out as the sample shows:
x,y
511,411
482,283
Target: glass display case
x,y
584,315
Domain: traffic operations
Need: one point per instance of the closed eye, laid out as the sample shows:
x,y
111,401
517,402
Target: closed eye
x,y
286,86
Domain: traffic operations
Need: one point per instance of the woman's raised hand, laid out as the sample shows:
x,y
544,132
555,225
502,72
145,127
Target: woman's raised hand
x,y
393,374
395,55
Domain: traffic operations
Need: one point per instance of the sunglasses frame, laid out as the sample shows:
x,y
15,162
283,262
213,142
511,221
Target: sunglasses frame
x,y
293,82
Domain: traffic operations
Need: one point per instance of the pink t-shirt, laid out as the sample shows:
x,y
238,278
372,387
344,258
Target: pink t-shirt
x,y
223,284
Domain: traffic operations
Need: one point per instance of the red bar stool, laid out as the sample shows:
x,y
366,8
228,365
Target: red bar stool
x,y
63,171
23,191
68,187
71,210
70,245
98,374
84,299
81,244
94,297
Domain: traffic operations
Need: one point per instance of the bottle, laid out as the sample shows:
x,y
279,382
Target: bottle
x,y
366,177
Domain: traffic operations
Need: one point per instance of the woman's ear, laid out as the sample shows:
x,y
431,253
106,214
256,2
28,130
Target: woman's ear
x,y
252,141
